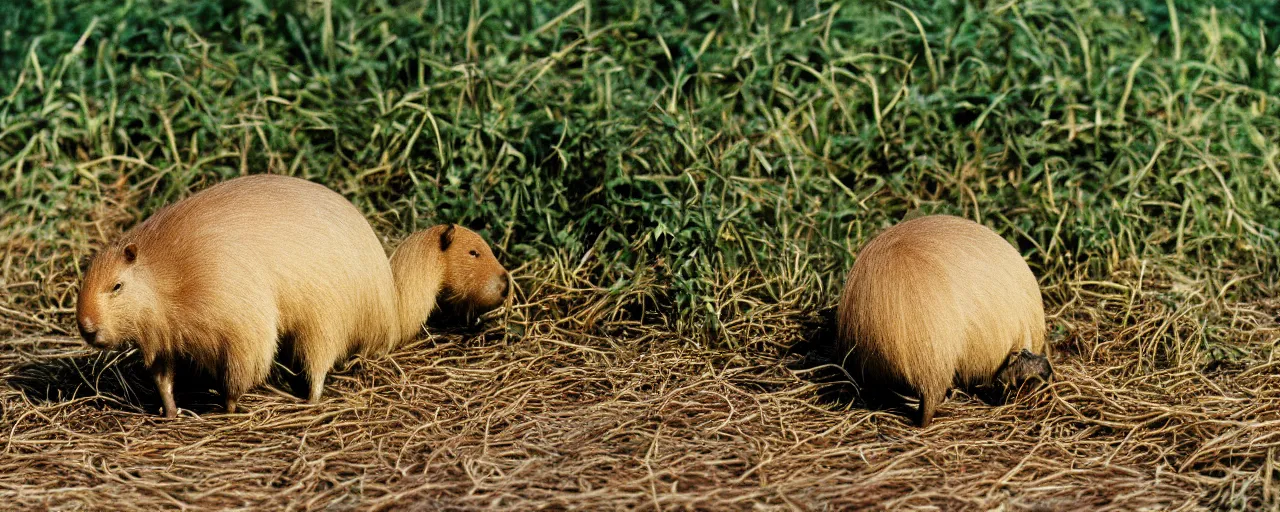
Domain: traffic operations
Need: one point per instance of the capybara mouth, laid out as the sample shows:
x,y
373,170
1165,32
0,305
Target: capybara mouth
x,y
473,312
490,307
100,342
463,312
96,342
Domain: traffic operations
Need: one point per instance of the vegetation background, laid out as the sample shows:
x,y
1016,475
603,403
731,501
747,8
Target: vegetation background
x,y
679,188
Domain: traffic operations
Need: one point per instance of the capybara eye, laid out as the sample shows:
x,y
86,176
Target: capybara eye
x,y
474,254
116,288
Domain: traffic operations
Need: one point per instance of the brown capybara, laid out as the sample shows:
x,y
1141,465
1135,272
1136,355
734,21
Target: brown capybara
x,y
450,264
934,302
219,277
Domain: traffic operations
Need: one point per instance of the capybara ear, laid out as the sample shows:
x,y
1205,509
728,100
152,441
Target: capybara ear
x,y
130,253
446,238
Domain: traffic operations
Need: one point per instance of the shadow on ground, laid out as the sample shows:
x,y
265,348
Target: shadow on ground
x,y
112,380
120,380
814,359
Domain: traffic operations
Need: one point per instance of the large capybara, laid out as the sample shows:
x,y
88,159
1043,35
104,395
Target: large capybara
x,y
939,301
219,277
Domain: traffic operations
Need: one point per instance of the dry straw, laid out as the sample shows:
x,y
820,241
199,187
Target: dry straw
x,y
635,417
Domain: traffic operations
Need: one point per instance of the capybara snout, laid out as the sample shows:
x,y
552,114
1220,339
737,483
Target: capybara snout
x,y
89,332
500,288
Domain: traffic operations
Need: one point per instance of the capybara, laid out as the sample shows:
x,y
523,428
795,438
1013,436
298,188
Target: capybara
x,y
219,277
934,302
1022,366
449,264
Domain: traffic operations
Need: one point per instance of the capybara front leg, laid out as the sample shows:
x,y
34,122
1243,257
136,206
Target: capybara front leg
x,y
162,371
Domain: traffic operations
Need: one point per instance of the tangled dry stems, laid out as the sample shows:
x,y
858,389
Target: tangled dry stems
x,y
629,415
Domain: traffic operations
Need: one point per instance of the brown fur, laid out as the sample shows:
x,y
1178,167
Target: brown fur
x,y
934,302
460,269
218,277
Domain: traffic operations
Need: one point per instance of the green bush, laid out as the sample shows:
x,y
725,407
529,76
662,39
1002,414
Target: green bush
x,y
721,155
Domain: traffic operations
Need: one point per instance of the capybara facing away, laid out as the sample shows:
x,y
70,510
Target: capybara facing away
x,y
219,277
939,301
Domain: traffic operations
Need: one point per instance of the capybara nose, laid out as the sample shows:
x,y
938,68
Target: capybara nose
x,y
89,332
506,285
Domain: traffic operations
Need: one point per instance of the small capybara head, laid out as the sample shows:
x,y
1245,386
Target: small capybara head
x,y
1023,366
473,279
114,295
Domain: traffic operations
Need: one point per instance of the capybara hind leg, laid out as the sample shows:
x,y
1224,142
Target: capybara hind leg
x,y
162,371
318,353
316,363
929,400
316,379
232,399
235,386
